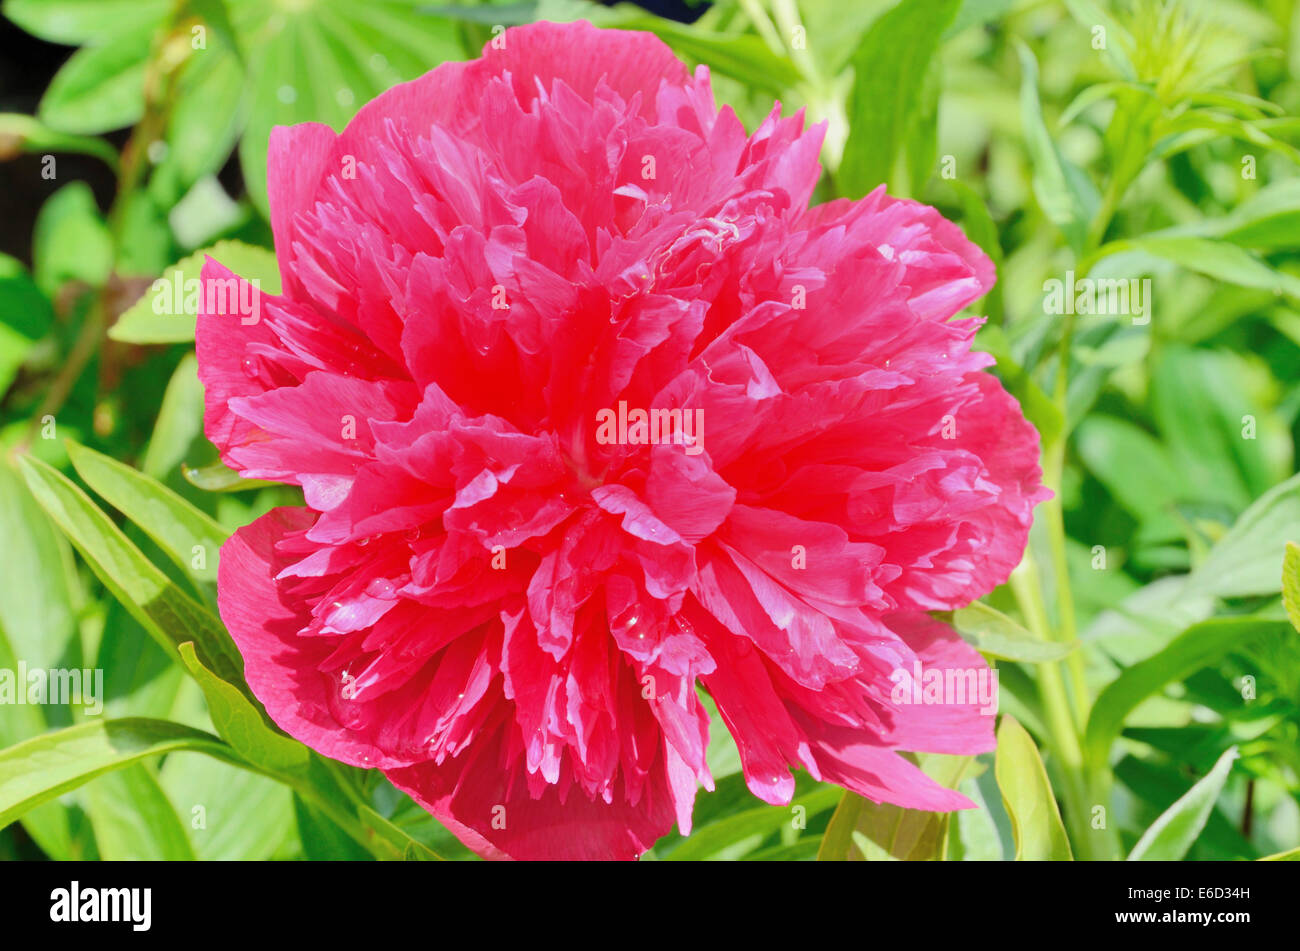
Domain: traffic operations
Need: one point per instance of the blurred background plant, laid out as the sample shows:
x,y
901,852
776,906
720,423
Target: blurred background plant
x,y
1147,648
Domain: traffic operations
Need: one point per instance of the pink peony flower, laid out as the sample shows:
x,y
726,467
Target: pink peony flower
x,y
589,410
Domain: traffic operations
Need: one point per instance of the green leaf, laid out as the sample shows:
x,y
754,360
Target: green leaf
x,y
1133,466
179,422
49,765
30,135
1199,645
168,310
1170,836
73,22
1027,796
39,593
206,117
890,66
25,317
741,56
187,536
219,477
1217,259
1291,583
884,832
1292,855
991,632
233,814
100,88
1244,561
714,838
1063,193
321,65
243,725
322,839
169,614
70,241
133,819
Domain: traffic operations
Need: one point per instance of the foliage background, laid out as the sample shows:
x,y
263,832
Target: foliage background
x,y
1150,674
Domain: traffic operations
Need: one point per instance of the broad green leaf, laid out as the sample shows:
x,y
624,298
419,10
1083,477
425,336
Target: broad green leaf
x,y
884,832
168,310
26,316
70,242
1291,583
1244,562
1170,836
1199,645
890,66
1133,466
133,819
1027,796
320,64
73,22
1201,402
100,88
712,840
232,814
991,632
49,765
186,535
169,614
243,725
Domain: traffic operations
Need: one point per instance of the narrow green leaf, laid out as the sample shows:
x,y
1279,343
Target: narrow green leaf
x,y
1292,855
1199,645
1061,192
169,614
49,765
31,135
179,422
1217,259
889,66
1291,583
188,537
1027,795
714,838
1171,835
220,478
